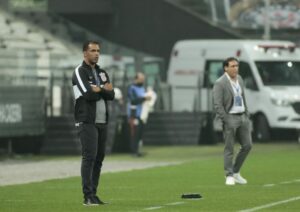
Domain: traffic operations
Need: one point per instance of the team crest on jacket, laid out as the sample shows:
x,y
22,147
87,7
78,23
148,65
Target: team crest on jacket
x,y
103,77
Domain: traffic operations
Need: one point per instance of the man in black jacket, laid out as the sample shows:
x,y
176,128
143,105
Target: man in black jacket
x,y
92,89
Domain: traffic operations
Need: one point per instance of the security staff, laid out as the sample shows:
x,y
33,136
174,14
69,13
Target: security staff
x,y
92,89
136,96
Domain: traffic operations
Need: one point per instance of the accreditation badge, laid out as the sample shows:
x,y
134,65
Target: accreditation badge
x,y
237,101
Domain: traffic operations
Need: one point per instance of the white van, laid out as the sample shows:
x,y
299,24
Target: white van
x,y
270,69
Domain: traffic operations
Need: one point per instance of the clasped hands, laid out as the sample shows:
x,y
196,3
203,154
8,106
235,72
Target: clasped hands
x,y
106,86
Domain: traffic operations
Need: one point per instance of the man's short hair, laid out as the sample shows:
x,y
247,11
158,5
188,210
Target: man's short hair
x,y
86,44
229,59
138,74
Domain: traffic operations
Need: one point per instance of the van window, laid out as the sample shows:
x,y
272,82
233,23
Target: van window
x,y
247,75
213,70
282,73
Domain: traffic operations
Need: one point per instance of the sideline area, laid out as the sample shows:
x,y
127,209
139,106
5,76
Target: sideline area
x,y
16,172
28,168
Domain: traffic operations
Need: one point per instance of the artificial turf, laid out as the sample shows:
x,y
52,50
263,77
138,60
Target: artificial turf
x,y
272,171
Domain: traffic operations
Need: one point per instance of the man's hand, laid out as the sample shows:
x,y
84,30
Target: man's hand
x,y
95,88
108,86
148,97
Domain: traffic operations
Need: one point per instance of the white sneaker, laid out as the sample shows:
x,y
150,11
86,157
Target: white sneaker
x,y
239,179
230,180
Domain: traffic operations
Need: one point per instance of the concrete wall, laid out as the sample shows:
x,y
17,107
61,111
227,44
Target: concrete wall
x,y
155,25
80,6
152,26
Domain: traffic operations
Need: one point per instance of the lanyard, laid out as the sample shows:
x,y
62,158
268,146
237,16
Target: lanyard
x,y
96,77
236,86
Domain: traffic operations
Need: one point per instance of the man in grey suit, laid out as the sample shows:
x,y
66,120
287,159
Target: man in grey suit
x,y
231,108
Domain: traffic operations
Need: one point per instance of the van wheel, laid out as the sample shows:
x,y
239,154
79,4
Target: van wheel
x,y
261,129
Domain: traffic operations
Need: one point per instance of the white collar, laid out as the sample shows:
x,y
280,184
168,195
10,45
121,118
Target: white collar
x,y
229,78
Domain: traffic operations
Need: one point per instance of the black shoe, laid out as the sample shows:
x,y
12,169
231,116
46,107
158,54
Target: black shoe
x,y
90,201
141,154
99,201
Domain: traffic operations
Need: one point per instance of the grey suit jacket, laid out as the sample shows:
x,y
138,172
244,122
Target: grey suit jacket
x,y
223,96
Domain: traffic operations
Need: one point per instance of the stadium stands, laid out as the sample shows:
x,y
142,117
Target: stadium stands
x,y
28,48
247,17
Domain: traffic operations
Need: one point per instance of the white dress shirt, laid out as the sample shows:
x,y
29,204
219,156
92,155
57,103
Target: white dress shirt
x,y
238,102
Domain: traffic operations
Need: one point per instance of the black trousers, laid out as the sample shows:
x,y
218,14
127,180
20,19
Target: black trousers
x,y
136,133
92,138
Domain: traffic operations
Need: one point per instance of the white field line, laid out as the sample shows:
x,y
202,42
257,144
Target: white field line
x,y
175,203
268,185
282,183
287,182
162,206
271,204
153,208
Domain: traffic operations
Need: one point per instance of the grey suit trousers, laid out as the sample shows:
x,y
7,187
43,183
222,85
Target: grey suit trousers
x,y
236,128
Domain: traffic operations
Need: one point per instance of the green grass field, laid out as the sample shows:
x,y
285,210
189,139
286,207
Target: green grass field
x,y
272,170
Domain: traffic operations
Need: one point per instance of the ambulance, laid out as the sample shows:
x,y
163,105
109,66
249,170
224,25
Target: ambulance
x,y
271,73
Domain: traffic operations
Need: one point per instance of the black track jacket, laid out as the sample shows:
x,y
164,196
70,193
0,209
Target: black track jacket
x,y
85,98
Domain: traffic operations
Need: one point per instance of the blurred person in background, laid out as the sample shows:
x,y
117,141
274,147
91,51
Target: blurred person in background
x,y
92,89
231,108
118,102
139,102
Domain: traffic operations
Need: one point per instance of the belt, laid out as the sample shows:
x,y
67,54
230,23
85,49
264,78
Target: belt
x,y
237,114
